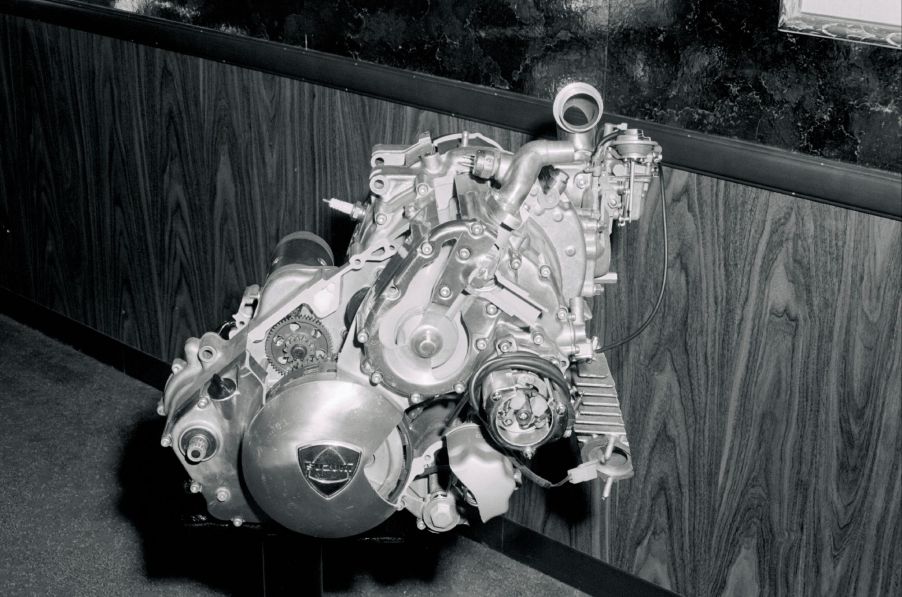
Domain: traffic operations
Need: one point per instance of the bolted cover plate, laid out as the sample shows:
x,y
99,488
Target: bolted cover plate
x,y
328,467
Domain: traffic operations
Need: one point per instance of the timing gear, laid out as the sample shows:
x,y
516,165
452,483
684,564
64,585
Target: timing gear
x,y
296,341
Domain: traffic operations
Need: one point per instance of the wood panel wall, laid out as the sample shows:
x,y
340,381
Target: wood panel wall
x,y
141,190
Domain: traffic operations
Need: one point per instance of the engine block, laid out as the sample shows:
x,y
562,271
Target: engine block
x,y
427,371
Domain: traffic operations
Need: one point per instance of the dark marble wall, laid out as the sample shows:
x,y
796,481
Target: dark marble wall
x,y
706,65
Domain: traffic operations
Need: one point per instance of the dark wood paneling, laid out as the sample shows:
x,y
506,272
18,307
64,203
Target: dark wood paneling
x,y
141,190
763,404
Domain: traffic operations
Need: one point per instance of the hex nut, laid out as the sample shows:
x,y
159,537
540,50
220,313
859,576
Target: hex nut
x,y
222,494
442,515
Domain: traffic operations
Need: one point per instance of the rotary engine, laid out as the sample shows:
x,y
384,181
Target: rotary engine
x,y
426,372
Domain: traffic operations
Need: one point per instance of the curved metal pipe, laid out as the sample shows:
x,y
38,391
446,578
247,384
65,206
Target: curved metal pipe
x,y
525,167
577,111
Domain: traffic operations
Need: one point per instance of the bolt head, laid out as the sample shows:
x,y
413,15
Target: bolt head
x,y
545,271
570,251
444,292
161,410
166,441
491,309
202,403
237,521
195,487
561,314
376,378
362,337
442,515
580,181
464,253
422,189
381,219
460,388
426,249
481,344
367,367
505,346
515,264
421,525
222,494
477,229
416,398
538,339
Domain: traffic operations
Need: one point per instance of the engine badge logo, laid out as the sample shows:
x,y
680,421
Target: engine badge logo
x,y
328,468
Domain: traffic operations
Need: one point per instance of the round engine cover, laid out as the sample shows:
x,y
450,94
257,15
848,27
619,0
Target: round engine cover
x,y
304,454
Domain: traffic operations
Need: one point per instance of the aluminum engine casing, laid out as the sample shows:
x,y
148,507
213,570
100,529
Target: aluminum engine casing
x,y
427,371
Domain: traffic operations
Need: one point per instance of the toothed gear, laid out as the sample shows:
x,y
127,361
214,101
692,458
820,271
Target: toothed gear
x,y
296,341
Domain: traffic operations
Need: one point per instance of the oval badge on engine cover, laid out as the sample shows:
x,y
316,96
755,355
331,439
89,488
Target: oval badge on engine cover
x,y
328,467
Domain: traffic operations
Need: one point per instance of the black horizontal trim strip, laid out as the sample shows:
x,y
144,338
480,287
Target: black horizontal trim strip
x,y
575,568
94,343
863,189
533,549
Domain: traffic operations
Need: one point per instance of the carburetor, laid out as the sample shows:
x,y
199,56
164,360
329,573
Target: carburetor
x,y
427,371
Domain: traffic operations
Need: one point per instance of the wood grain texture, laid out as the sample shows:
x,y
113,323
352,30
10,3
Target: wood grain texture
x,y
141,191
763,403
